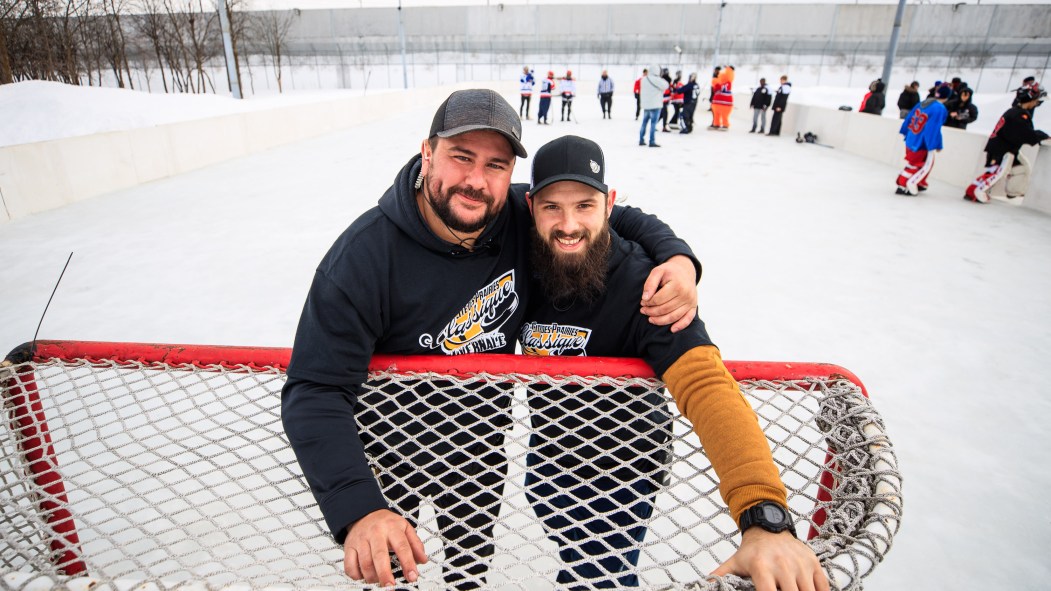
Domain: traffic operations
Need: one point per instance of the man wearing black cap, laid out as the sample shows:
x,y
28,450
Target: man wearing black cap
x,y
594,486
438,267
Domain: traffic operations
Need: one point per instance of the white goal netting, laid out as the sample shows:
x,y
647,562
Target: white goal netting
x,y
125,471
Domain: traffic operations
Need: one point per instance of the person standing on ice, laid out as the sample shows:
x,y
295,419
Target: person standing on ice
x,y
569,90
723,99
1014,130
651,93
605,95
780,104
923,137
525,88
760,103
547,87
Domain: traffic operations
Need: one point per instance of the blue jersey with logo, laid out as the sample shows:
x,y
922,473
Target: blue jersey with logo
x,y
923,127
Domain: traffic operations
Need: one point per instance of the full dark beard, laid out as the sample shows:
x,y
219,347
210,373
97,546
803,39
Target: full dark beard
x,y
569,278
440,202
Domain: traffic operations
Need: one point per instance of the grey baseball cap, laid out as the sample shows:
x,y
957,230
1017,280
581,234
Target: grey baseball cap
x,y
478,109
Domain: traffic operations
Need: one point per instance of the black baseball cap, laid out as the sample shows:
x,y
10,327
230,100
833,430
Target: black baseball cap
x,y
569,158
478,109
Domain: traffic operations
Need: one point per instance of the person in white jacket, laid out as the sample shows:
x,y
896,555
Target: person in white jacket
x,y
651,96
569,91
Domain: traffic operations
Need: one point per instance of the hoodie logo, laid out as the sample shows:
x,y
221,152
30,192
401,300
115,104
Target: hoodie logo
x,y
475,328
554,339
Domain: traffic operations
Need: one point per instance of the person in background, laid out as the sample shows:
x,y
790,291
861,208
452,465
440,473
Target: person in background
x,y
525,89
1002,155
875,100
923,137
962,110
665,100
761,100
711,93
651,93
690,92
723,99
676,100
780,104
1027,83
569,90
605,95
909,98
638,99
547,88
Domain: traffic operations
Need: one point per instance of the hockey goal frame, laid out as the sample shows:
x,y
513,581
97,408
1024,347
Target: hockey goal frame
x,y
26,411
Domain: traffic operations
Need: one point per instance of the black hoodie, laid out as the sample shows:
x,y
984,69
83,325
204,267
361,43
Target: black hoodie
x,y
390,285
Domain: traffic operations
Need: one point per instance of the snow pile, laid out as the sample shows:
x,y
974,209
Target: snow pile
x,y
36,111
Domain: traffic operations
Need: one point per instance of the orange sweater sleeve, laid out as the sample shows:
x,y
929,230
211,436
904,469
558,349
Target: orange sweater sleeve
x,y
709,397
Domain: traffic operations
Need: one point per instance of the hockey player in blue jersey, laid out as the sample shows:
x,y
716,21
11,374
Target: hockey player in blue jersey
x,y
923,137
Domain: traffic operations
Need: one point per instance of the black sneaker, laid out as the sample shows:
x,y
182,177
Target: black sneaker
x,y
922,189
642,143
655,145
901,191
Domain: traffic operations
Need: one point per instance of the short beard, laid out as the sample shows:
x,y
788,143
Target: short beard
x,y
566,279
440,201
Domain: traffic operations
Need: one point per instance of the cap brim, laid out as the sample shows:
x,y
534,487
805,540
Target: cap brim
x,y
569,177
516,145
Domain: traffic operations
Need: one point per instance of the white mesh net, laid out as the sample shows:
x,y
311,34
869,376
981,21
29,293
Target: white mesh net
x,y
126,473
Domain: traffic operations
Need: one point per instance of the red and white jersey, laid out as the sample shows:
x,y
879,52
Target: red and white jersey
x,y
569,88
547,86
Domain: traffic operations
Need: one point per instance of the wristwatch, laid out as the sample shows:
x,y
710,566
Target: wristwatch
x,y
768,515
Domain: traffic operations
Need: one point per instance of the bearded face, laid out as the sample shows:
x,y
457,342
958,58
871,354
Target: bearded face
x,y
441,200
568,277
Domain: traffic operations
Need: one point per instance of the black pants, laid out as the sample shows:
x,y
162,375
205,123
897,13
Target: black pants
x,y
686,122
545,104
638,105
664,117
444,443
567,108
467,509
524,106
605,100
675,115
775,123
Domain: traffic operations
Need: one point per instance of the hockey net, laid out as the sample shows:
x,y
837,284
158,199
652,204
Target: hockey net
x,y
129,466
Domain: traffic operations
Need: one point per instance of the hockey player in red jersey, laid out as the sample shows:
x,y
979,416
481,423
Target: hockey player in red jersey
x,y
1014,130
923,136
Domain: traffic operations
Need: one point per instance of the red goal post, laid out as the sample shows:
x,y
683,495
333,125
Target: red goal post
x,y
75,410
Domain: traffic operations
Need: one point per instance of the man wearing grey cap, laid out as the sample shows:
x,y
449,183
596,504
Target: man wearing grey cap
x,y
597,459
439,266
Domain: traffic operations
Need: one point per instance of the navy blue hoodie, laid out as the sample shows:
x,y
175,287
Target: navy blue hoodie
x,y
390,285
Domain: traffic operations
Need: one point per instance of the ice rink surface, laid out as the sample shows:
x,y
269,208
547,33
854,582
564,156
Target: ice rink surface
x,y
941,306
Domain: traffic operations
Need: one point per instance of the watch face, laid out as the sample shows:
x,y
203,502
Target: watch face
x,y
774,514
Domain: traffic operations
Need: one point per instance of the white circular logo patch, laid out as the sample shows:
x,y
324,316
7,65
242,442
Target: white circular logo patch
x,y
595,167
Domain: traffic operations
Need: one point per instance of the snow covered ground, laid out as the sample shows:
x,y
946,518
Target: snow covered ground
x,y
941,306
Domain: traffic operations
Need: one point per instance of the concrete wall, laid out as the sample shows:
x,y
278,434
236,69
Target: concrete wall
x,y
877,138
44,175
558,28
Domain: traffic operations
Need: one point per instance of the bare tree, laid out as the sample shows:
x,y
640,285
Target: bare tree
x,y
12,13
271,30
